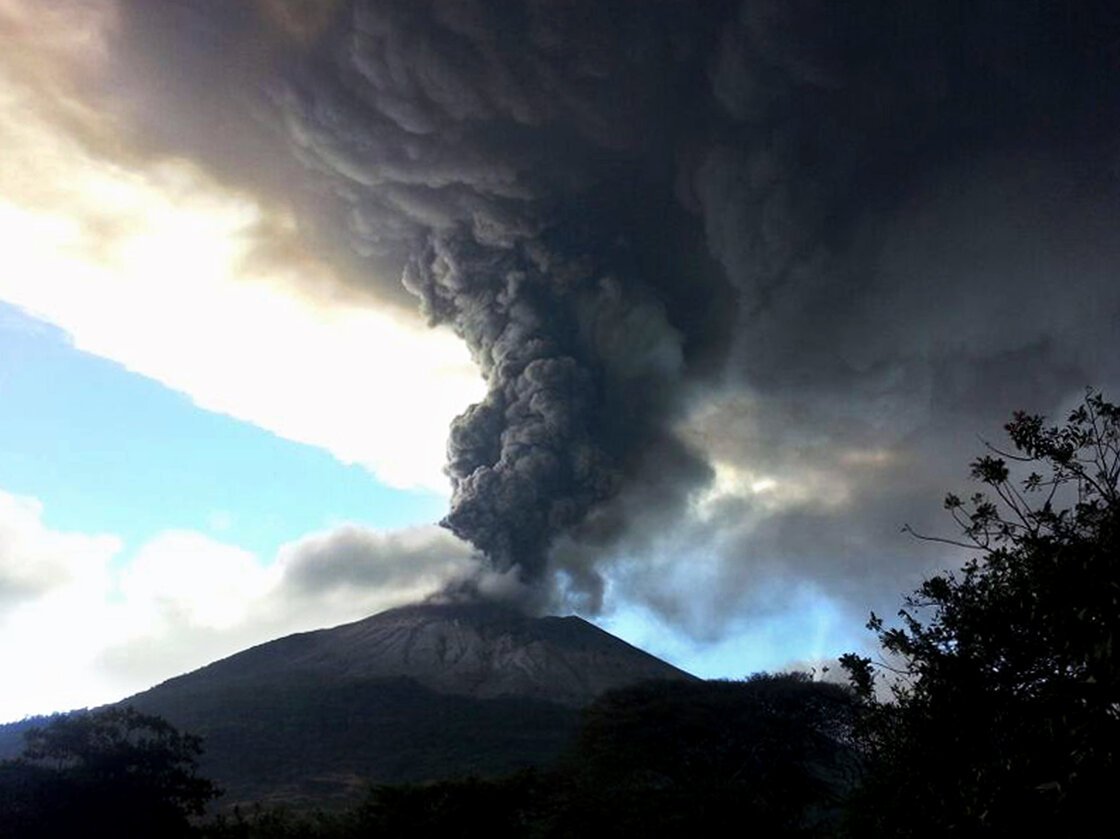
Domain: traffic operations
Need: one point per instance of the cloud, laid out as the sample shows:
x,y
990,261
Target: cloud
x,y
186,577
38,562
52,590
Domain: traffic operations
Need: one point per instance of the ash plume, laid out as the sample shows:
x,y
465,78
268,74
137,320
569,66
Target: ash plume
x,y
478,139
824,242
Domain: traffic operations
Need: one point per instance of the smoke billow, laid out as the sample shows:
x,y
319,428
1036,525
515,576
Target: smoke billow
x,y
850,219
484,141
502,147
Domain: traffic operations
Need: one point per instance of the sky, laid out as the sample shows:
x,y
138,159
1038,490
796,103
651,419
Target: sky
x,y
668,315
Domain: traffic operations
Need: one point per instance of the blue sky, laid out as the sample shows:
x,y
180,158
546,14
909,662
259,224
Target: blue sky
x,y
105,449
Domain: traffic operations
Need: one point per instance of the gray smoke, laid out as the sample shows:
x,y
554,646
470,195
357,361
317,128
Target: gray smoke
x,y
486,142
525,155
877,227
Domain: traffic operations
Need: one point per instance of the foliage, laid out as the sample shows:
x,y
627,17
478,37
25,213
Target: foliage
x,y
501,808
315,738
1006,710
662,758
113,770
279,822
656,759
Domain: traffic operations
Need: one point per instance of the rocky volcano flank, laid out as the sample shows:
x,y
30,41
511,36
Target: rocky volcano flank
x,y
480,651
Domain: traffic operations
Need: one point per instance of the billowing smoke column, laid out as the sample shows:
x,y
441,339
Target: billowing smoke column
x,y
476,139
526,462
617,203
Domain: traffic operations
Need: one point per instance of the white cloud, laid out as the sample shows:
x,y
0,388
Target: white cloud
x,y
155,265
35,561
53,588
189,578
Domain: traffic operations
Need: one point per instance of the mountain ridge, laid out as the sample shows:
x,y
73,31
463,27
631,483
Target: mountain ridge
x,y
482,651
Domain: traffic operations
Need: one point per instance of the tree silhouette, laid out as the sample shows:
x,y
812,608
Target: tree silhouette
x,y
112,772
667,758
1006,704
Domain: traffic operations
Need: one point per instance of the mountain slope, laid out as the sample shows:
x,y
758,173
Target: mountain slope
x,y
311,742
478,650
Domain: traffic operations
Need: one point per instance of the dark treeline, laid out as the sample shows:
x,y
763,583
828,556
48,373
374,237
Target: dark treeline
x,y
660,758
112,772
995,711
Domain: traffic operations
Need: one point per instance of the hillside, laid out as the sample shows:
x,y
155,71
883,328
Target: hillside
x,y
480,651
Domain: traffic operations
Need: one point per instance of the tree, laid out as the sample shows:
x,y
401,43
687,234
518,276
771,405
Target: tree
x,y
666,758
114,770
1006,701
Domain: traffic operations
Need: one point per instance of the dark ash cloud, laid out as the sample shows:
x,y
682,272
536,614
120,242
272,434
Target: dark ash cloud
x,y
484,141
812,247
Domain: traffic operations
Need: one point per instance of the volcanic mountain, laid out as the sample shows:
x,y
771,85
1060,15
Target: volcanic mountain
x,y
477,650
415,693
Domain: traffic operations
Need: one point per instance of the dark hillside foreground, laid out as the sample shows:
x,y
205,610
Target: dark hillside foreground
x,y
309,743
663,758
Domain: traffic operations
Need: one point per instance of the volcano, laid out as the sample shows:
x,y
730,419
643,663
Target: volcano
x,y
411,694
477,650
